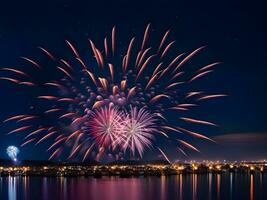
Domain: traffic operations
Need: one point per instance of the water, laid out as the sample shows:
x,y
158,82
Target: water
x,y
204,186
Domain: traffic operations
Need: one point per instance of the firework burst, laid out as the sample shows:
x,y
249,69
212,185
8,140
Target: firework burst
x,y
139,128
110,105
12,152
105,127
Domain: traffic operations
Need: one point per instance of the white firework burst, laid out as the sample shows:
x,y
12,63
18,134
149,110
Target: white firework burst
x,y
138,129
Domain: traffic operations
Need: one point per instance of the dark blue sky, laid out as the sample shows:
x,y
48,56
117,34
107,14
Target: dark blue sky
x,y
234,32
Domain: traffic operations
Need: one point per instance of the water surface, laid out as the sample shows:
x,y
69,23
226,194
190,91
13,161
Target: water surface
x,y
193,186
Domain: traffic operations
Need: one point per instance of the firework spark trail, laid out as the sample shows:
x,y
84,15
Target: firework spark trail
x,y
53,110
182,151
47,53
163,40
15,118
36,132
10,79
197,121
27,142
88,151
55,153
188,145
27,118
15,71
45,137
23,128
211,96
164,155
34,63
117,106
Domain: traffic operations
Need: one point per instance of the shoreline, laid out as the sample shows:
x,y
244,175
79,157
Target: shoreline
x,y
98,171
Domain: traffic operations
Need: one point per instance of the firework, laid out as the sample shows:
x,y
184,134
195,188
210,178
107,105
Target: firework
x,y
105,127
139,128
12,152
114,104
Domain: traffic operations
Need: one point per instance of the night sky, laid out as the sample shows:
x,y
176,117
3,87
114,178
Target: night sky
x,y
235,34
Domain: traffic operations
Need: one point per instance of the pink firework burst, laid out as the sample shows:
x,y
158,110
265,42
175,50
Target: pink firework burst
x,y
105,126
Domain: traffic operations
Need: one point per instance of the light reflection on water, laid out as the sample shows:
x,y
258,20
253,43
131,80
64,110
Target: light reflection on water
x,y
193,186
251,192
210,186
218,185
231,186
12,188
181,186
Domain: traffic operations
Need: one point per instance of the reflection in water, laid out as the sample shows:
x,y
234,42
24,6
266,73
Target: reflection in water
x,y
181,186
210,185
189,186
12,188
63,187
25,183
261,184
1,185
194,186
163,186
218,186
231,185
251,191
45,190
